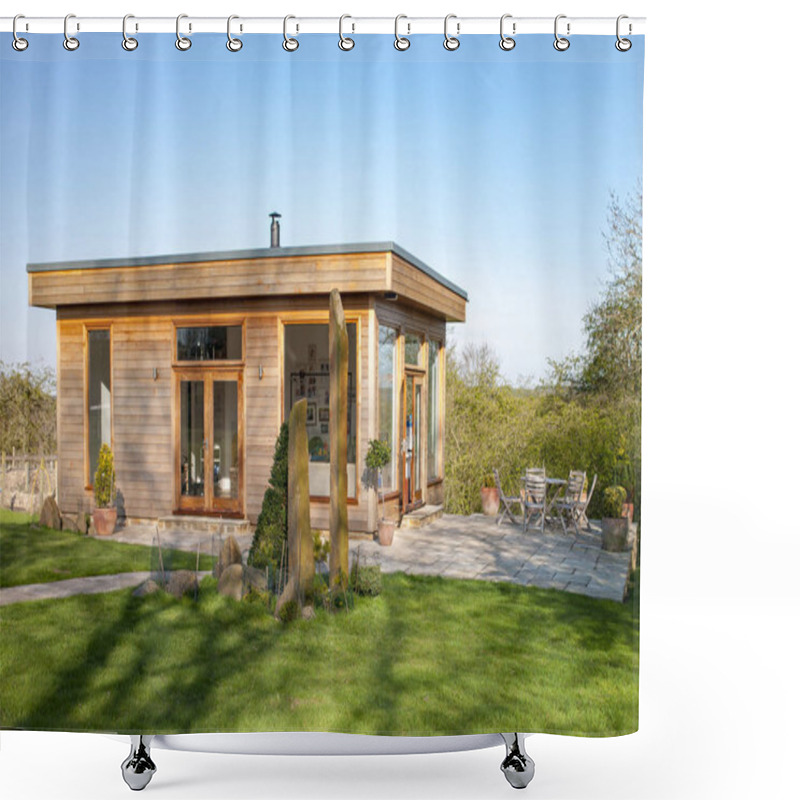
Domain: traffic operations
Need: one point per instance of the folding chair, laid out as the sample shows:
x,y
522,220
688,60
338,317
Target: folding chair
x,y
534,498
569,505
508,502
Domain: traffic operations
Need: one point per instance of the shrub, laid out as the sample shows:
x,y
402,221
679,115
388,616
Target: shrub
x,y
270,536
104,478
379,454
366,580
613,498
322,548
289,611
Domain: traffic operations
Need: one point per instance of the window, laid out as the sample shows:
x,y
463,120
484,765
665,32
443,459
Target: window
x,y
98,395
307,375
413,350
221,343
434,393
387,402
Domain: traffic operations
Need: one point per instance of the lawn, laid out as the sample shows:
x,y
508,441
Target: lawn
x,y
41,555
428,655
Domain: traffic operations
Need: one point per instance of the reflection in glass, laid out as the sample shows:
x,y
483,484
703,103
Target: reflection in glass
x,y
226,439
99,394
413,350
192,456
434,458
210,344
387,402
417,438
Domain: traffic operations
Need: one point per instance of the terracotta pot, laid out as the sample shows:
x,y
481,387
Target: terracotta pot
x,y
386,532
105,520
490,500
615,534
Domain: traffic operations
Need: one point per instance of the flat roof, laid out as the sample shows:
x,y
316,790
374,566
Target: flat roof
x,y
242,255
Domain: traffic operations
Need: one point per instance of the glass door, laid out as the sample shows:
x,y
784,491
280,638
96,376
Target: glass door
x,y
412,441
209,441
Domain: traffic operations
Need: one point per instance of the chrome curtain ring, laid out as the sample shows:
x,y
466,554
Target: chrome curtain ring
x,y
451,42
233,44
561,43
18,43
289,44
345,43
128,42
506,42
400,42
181,42
70,42
623,45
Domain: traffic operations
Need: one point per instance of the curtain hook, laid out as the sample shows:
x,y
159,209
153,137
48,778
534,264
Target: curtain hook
x,y
400,42
70,42
233,44
128,42
561,43
506,42
289,44
451,42
18,43
345,42
623,45
181,42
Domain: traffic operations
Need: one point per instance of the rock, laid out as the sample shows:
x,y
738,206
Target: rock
x,y
148,587
231,582
308,612
255,579
50,516
229,554
182,582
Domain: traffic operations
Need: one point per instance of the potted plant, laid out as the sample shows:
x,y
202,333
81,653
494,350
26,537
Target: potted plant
x,y
625,476
614,524
104,515
490,497
378,456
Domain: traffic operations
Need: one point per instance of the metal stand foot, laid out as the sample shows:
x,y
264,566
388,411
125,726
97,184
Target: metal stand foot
x,y
138,768
517,766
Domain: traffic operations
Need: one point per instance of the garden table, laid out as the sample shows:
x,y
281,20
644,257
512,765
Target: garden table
x,y
554,488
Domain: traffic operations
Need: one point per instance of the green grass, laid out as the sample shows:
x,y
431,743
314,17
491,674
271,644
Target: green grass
x,y
428,655
41,555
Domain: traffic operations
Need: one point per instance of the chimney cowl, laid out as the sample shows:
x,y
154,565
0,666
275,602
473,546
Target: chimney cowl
x,y
275,230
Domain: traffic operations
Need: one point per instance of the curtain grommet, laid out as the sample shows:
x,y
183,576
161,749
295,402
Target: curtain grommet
x,y
70,43
233,44
289,44
451,43
622,44
561,43
183,43
401,43
18,43
345,42
507,42
129,43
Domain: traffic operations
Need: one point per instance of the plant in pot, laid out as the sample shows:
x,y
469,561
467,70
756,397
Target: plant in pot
x,y
490,497
625,476
379,455
614,524
104,515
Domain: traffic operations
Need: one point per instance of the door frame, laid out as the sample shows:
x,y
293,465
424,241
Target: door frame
x,y
412,377
208,505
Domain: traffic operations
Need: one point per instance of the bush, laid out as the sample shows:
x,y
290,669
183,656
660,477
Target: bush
x,y
289,611
613,498
271,533
104,478
366,580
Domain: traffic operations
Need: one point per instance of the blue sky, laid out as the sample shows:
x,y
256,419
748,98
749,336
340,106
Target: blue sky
x,y
495,168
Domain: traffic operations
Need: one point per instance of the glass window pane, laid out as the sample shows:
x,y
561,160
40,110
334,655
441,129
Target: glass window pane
x,y
387,402
413,350
210,343
99,394
434,449
307,374
226,439
192,451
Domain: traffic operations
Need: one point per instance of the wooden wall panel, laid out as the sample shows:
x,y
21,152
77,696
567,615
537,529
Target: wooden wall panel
x,y
72,497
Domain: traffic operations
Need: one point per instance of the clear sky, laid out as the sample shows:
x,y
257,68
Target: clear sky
x,y
493,167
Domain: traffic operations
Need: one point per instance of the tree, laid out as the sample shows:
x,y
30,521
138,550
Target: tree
x,y
27,408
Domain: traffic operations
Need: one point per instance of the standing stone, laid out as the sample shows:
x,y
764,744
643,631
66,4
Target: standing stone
x,y
255,579
229,554
49,516
231,582
300,543
338,357
181,582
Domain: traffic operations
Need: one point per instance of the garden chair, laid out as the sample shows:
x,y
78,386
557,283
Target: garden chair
x,y
534,498
507,502
568,506
584,504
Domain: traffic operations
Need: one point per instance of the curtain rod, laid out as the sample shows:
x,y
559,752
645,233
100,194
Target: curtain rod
x,y
513,26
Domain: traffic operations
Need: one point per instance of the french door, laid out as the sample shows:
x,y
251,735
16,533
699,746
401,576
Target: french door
x,y
209,442
413,404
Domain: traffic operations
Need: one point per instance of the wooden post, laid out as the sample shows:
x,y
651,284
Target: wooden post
x,y
338,358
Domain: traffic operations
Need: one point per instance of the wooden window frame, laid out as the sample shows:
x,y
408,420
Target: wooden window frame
x,y
209,321
87,327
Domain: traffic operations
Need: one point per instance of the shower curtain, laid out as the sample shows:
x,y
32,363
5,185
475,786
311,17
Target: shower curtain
x,y
346,340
